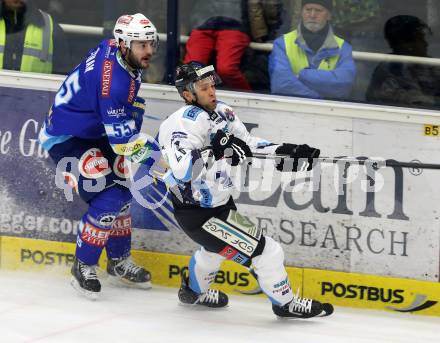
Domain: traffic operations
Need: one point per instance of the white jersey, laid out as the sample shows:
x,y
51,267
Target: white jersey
x,y
183,136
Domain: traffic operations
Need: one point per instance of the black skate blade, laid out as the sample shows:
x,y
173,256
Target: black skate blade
x,y
199,307
121,282
84,292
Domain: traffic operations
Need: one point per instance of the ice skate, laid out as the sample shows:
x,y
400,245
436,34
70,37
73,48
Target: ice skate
x,y
302,308
124,272
85,280
211,298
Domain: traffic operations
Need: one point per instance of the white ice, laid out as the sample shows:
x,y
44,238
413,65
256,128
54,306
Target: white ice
x,y
44,308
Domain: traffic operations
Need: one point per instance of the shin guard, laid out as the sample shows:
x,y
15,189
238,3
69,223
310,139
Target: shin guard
x,y
272,276
203,268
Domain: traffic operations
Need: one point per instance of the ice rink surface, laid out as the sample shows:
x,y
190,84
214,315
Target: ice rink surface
x,y
45,308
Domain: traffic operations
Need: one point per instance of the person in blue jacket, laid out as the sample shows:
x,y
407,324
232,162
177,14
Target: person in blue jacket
x,y
91,132
312,61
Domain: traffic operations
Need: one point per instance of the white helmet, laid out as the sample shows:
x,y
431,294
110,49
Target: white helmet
x,y
135,27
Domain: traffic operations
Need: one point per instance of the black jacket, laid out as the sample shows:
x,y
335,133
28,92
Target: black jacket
x,y
407,84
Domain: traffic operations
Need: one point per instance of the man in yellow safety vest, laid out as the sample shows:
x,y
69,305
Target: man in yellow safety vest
x,y
312,61
30,40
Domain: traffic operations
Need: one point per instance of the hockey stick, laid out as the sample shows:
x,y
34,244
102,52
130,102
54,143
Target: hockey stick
x,y
374,163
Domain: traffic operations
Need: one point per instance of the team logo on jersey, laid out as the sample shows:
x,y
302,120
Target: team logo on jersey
x,y
120,167
144,21
230,115
93,164
110,51
116,112
131,91
106,219
192,113
125,20
106,79
107,52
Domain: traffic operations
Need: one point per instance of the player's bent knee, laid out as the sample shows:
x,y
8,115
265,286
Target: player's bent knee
x,y
208,258
272,255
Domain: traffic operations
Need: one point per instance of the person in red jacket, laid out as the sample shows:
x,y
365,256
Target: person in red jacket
x,y
224,34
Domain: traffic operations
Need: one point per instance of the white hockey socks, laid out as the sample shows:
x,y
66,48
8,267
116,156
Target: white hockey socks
x,y
272,276
203,268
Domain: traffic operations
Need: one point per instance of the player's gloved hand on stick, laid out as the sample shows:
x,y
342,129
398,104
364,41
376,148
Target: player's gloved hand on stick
x,y
300,156
138,111
227,146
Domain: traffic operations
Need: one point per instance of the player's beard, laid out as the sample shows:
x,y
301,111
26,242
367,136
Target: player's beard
x,y
135,63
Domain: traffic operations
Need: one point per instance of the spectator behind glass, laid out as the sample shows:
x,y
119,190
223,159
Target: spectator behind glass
x,y
262,19
358,22
395,83
30,40
311,61
222,33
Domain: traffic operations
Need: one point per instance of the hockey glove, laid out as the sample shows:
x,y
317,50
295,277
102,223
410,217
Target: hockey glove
x,y
138,112
227,146
300,157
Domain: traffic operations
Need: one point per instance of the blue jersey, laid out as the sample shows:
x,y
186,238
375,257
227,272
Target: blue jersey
x,y
98,98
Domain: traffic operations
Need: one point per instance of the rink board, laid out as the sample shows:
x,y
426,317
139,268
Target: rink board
x,y
342,225
338,288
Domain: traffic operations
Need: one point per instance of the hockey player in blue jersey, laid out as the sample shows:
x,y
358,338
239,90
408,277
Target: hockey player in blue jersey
x,y
203,142
95,120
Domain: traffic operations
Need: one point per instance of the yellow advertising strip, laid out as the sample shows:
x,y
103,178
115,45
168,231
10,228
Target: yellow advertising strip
x,y
26,254
374,292
34,255
338,288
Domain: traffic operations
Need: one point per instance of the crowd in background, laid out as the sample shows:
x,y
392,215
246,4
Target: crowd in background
x,y
220,32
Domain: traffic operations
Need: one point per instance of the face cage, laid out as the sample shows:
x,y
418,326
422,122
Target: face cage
x,y
196,85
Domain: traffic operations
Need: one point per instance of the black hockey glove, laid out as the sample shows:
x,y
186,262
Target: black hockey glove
x,y
227,146
299,154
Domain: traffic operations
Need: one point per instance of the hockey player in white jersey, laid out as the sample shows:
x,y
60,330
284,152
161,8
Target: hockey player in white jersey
x,y
203,142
